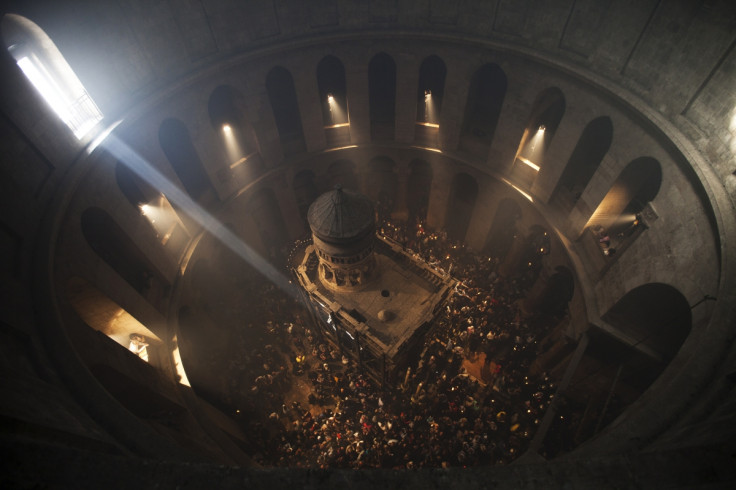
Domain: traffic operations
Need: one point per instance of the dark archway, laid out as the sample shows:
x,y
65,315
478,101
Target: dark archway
x,y
463,194
305,191
266,212
381,185
129,185
113,245
418,188
285,107
483,109
592,146
382,95
655,315
503,228
177,145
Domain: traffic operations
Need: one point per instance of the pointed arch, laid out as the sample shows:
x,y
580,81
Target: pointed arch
x,y
305,191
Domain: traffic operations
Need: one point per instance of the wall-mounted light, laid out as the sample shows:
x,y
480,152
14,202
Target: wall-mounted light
x,y
226,128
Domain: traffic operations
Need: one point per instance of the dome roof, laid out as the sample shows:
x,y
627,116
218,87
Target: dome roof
x,y
341,215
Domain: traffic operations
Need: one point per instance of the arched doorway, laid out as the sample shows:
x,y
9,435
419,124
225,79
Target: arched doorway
x,y
463,194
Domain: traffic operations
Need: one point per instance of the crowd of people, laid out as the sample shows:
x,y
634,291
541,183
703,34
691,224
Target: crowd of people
x,y
304,403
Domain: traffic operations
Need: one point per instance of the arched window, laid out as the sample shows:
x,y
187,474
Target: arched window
x,y
228,122
463,194
618,219
584,161
334,100
382,94
44,66
177,145
482,109
285,107
418,189
430,92
543,122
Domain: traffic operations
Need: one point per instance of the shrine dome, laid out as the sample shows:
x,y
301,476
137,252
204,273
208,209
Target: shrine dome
x,y
341,216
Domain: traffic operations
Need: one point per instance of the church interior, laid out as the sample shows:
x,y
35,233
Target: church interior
x,y
410,243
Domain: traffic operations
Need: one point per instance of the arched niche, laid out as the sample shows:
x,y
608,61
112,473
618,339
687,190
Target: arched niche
x,y
266,212
305,191
503,228
285,107
636,186
382,184
463,194
101,313
119,251
332,91
654,315
585,159
431,89
550,295
231,126
382,96
130,185
418,188
197,346
343,172
483,109
541,127
173,136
